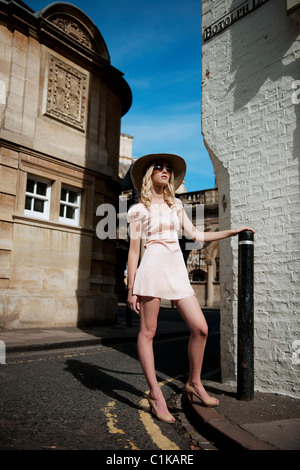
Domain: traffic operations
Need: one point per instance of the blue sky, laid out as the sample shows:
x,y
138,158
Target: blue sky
x,y
157,45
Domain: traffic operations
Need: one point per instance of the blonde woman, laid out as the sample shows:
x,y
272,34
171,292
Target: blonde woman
x,y
162,272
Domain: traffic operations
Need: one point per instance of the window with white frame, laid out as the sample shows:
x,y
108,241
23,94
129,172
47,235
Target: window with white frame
x,y
37,199
70,199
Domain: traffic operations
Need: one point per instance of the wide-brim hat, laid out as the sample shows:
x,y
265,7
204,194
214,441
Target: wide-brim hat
x,y
140,166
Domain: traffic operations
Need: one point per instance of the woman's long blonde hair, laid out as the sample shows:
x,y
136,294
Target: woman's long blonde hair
x,y
146,194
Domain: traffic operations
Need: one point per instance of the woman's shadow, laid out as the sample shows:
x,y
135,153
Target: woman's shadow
x,y
95,377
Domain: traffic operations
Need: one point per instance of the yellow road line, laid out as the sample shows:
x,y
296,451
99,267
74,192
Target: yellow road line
x,y
162,442
112,421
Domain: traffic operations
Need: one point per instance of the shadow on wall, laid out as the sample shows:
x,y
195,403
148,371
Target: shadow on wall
x,y
265,58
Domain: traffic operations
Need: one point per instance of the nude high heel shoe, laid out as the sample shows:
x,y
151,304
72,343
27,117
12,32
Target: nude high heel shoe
x,y
209,402
165,418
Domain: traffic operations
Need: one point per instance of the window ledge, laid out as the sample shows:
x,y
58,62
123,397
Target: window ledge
x,y
39,222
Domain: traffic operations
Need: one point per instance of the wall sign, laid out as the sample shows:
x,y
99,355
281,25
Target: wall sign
x,y
234,15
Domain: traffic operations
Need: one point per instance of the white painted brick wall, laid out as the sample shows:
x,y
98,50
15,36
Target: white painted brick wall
x,y
251,129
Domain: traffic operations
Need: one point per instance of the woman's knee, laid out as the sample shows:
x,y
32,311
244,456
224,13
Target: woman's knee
x,y
193,316
147,334
204,330
148,317
200,330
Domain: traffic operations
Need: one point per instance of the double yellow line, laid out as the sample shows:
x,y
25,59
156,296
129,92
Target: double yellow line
x,y
162,442
152,429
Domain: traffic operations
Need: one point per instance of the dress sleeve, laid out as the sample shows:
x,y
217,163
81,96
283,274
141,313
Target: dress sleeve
x,y
135,213
178,205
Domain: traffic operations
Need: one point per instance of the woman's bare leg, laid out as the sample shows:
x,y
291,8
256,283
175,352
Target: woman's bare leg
x,y
192,314
149,309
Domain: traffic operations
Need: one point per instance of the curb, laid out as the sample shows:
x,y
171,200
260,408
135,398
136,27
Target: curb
x,y
19,348
82,342
223,432
190,431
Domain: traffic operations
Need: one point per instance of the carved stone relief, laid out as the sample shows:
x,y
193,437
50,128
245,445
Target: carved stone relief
x,y
76,30
72,28
66,93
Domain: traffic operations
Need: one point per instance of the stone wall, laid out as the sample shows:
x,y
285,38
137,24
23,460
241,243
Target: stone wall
x,y
250,122
61,105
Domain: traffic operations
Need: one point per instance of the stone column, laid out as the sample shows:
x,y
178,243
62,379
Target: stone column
x,y
210,283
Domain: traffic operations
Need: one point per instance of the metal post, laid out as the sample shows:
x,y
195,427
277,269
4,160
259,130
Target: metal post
x,y
245,366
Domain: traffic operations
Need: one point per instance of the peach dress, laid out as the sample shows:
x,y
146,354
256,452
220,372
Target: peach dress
x,y
162,272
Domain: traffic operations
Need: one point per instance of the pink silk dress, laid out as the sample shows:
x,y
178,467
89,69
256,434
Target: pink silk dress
x,y
162,272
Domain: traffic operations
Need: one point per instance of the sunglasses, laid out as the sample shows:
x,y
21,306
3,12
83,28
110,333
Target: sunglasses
x,y
161,166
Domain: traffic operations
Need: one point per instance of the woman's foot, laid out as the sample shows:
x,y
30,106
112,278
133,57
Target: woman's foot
x,y
198,391
160,409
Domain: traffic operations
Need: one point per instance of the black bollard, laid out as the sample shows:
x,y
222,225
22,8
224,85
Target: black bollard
x,y
245,366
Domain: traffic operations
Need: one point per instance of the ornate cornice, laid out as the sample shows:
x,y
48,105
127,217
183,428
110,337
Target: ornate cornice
x,y
74,29
67,30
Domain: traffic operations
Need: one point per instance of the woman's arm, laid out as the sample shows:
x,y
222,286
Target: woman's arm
x,y
202,237
133,259
213,236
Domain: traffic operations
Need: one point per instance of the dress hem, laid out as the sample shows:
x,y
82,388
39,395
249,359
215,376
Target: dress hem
x,y
166,298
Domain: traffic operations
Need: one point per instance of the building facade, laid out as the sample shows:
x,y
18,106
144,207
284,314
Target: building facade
x,y
251,128
61,103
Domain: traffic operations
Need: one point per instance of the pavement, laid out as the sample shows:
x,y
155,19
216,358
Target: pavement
x,y
267,422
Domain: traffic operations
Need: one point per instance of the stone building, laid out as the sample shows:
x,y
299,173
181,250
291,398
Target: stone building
x,y
203,262
126,158
250,124
61,103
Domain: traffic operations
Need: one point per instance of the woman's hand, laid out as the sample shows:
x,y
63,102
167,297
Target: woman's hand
x,y
236,231
133,302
